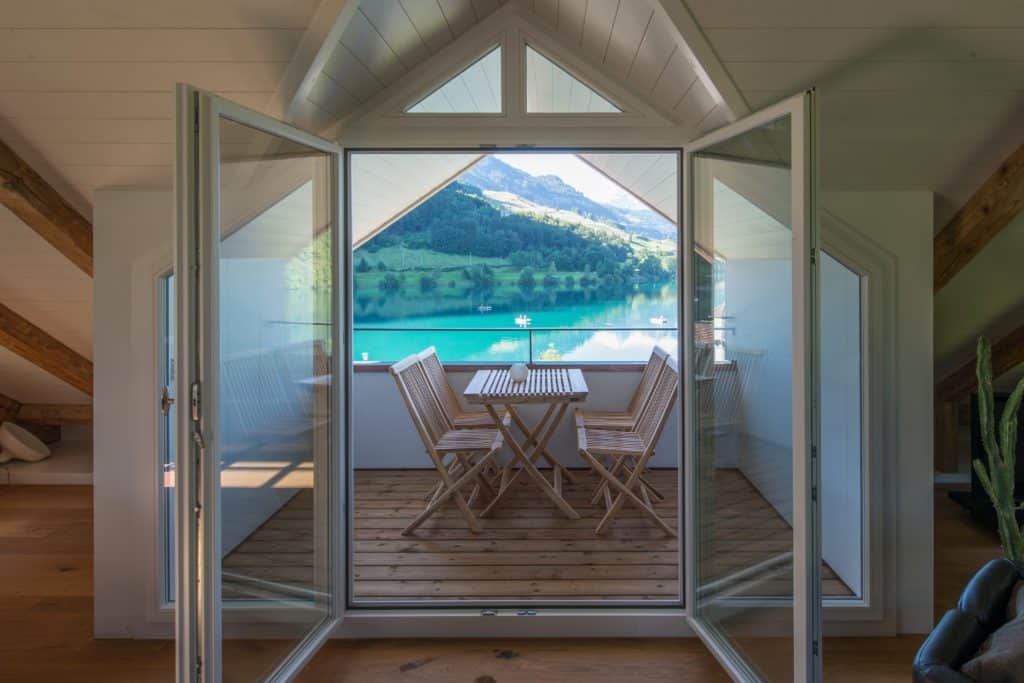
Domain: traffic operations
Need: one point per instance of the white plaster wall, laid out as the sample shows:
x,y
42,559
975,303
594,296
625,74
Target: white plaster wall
x,y
900,222
132,233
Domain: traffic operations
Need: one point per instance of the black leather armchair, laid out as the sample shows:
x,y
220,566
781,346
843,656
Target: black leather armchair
x,y
961,631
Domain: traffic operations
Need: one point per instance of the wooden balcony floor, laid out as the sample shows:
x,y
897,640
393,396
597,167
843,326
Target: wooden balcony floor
x,y
527,550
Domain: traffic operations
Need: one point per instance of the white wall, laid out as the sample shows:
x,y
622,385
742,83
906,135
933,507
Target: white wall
x,y
900,224
131,246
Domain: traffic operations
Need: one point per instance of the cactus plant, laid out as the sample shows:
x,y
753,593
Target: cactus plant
x,y
998,473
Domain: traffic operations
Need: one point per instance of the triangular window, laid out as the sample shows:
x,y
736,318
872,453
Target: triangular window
x,y
550,89
474,90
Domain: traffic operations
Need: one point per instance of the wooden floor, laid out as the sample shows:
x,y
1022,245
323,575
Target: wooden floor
x,y
527,551
46,621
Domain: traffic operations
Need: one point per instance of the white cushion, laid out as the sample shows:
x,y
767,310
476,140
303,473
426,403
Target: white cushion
x,y
21,444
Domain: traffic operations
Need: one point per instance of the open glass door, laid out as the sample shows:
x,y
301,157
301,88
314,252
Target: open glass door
x,y
260,517
753,558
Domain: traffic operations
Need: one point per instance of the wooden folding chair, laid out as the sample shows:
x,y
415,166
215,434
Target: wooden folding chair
x,y
449,402
631,450
471,449
626,419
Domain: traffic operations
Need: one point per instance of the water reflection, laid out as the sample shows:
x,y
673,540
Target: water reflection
x,y
468,331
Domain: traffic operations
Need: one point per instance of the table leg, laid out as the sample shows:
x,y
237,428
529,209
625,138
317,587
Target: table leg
x,y
526,463
531,438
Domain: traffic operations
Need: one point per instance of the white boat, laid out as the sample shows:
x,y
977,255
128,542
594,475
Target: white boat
x,y
523,320
659,320
484,308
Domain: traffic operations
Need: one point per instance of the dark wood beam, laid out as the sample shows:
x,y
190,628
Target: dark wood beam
x,y
1007,353
55,414
997,202
43,209
40,348
8,408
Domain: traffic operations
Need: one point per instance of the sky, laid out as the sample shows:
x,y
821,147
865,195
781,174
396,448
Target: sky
x,y
574,173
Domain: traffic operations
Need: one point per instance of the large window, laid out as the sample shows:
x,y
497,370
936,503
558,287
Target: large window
x,y
537,257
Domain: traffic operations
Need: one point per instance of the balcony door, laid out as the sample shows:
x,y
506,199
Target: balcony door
x,y
262,408
753,556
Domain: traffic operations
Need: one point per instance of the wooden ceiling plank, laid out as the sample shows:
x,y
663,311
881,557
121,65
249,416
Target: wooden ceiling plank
x,y
1007,353
43,209
55,414
38,347
990,209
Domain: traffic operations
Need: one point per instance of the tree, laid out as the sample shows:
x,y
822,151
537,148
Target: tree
x,y
550,281
390,283
362,266
526,280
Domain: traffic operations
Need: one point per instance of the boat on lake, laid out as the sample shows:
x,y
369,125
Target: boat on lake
x,y
523,320
659,320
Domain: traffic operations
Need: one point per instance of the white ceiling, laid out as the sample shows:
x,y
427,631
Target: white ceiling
x,y
621,38
914,93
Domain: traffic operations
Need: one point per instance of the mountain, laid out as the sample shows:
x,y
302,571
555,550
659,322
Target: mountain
x,y
517,191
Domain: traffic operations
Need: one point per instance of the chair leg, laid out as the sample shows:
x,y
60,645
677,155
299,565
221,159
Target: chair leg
x,y
625,492
481,480
451,490
604,485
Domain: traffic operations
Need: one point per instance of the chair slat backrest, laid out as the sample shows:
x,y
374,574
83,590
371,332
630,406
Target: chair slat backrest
x,y
647,380
658,408
439,382
423,407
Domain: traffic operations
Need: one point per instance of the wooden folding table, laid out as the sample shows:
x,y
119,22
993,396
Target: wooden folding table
x,y
556,387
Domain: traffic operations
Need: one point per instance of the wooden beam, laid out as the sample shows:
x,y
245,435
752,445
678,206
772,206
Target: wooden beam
x,y
38,347
691,41
318,43
1007,353
55,414
43,209
8,408
990,209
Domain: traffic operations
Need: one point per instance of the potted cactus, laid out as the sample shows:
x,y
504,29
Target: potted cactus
x,y
997,473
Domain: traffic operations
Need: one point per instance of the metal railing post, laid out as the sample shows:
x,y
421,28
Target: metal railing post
x,y
530,334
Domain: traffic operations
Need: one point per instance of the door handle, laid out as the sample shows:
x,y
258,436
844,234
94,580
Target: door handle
x,y
166,401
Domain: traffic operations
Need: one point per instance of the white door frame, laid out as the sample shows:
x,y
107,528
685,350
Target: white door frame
x,y
197,517
806,532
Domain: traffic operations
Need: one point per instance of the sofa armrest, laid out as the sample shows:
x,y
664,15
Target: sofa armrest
x,y
953,641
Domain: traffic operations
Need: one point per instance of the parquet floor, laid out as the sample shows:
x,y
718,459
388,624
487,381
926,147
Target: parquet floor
x,y
46,600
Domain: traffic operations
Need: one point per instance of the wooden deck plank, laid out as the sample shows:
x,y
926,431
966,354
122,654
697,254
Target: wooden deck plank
x,y
525,551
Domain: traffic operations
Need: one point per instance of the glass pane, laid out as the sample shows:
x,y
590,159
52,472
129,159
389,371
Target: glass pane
x,y
537,257
743,366
550,89
274,427
474,90
167,432
841,424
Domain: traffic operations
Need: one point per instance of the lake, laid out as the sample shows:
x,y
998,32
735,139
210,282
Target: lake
x,y
602,338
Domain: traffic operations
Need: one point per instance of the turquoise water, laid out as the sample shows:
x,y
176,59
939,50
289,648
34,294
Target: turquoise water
x,y
605,342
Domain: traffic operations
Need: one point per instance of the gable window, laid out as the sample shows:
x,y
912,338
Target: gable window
x,y
550,89
474,90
